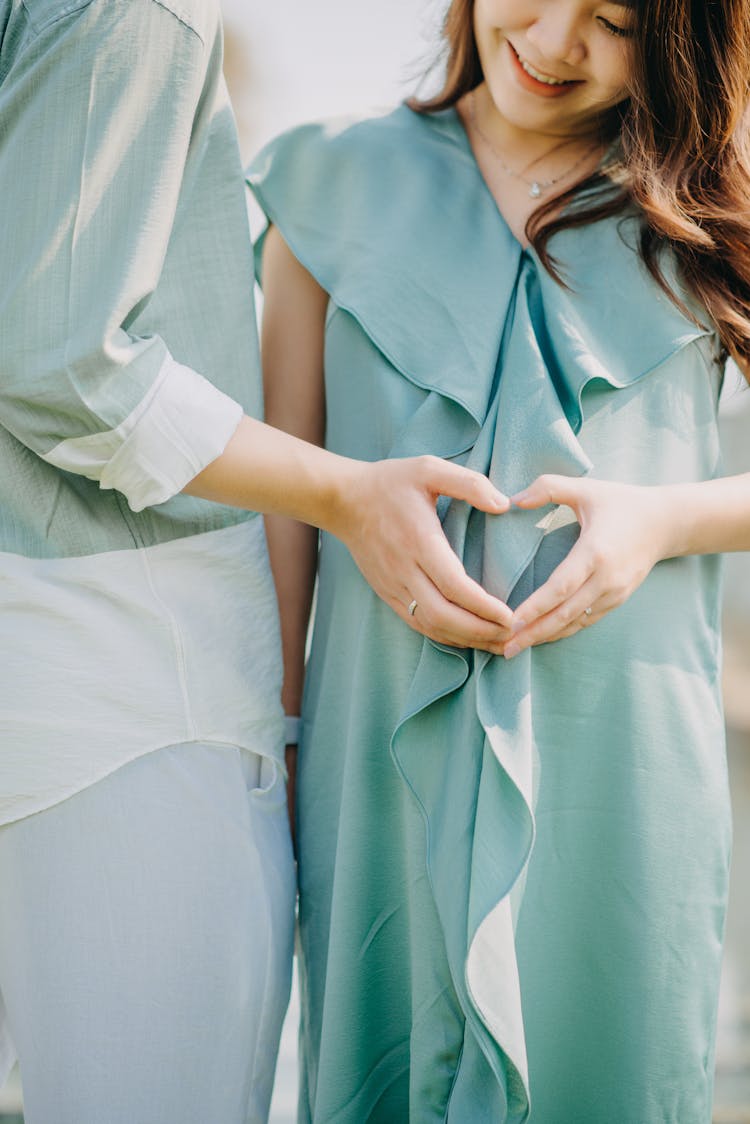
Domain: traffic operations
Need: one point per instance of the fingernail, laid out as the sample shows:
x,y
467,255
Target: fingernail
x,y
521,497
512,650
517,627
500,499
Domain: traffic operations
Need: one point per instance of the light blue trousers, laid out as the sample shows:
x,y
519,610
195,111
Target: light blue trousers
x,y
146,929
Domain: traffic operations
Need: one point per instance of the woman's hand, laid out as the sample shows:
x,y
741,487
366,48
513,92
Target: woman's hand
x,y
389,523
624,533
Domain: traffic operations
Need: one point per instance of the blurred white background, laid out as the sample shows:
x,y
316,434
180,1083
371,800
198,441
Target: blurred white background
x,y
297,60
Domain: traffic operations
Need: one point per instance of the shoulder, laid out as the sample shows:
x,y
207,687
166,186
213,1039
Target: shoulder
x,y
348,147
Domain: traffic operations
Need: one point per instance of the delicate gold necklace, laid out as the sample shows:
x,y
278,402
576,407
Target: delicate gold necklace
x,y
536,187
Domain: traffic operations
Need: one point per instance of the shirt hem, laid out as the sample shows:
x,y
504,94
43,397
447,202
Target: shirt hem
x,y
32,806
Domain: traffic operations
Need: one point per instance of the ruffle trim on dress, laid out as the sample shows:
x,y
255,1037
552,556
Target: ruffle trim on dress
x,y
384,232
381,213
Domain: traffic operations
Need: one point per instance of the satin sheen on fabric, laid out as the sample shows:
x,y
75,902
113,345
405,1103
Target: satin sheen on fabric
x,y
512,875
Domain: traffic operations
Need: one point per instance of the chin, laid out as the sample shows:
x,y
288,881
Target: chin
x,y
521,111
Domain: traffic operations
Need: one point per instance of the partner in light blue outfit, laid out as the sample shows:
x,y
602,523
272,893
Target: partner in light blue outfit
x,y
146,874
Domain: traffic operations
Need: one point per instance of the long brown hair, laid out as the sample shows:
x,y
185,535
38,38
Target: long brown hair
x,y
684,152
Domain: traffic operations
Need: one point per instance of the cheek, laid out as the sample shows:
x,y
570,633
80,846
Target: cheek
x,y
614,77
487,34
618,71
498,15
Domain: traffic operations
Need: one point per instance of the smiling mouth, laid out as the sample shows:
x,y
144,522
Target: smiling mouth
x,y
540,76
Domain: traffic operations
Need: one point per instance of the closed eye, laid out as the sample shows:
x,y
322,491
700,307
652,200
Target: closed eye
x,y
613,29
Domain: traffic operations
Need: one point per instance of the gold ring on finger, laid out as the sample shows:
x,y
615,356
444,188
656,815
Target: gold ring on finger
x,y
412,608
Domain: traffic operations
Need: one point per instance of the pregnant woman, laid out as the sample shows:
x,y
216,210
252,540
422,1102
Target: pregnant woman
x,y
513,862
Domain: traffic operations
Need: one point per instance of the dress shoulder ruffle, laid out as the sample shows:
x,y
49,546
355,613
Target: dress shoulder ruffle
x,y
380,210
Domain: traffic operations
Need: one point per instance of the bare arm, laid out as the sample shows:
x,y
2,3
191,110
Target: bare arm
x,y
292,348
383,511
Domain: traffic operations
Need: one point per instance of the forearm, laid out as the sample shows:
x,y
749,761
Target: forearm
x,y
712,517
263,469
293,549
384,512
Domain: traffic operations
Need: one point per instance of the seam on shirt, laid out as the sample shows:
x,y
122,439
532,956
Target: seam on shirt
x,y
74,231
78,5
181,17
54,17
131,526
191,730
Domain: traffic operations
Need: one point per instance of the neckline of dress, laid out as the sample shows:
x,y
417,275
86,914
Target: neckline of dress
x,y
455,129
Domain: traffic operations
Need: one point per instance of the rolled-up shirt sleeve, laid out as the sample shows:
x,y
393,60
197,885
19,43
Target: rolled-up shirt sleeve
x,y
102,109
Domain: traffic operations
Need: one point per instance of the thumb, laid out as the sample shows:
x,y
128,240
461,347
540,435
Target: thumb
x,y
548,489
445,479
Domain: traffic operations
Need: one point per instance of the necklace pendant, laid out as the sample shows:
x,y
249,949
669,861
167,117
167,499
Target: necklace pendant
x,y
535,190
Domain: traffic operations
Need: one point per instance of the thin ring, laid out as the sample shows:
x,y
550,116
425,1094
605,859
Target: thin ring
x,y
588,612
585,617
412,608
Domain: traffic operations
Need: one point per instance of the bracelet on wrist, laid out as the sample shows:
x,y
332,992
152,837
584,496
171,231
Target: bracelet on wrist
x,y
292,727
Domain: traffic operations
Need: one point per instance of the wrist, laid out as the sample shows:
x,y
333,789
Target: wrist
x,y
679,519
341,496
666,531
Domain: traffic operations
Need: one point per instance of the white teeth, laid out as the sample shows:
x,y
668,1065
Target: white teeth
x,y
540,77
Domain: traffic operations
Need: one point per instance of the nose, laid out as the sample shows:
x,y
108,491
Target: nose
x,y
556,33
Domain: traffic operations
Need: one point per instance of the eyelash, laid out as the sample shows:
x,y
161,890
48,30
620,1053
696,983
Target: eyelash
x,y
613,29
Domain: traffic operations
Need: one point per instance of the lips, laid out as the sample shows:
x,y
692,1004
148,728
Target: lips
x,y
538,81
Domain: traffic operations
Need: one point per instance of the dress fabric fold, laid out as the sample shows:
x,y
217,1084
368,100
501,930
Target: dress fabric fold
x,y
512,873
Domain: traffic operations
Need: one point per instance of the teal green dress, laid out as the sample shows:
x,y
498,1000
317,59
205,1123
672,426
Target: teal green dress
x,y
512,874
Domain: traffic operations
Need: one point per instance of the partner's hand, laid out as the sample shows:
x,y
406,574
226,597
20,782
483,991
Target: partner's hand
x,y
391,527
622,538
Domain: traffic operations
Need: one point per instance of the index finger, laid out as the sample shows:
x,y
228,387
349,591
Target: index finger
x,y
562,583
445,571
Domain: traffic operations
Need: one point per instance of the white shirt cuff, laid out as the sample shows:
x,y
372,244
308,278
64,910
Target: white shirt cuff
x,y
182,425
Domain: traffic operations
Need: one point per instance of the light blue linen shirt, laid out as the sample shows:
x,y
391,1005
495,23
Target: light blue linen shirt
x,y
131,616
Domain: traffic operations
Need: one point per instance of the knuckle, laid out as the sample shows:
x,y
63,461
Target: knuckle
x,y
428,463
601,557
427,622
566,615
545,483
565,588
451,590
